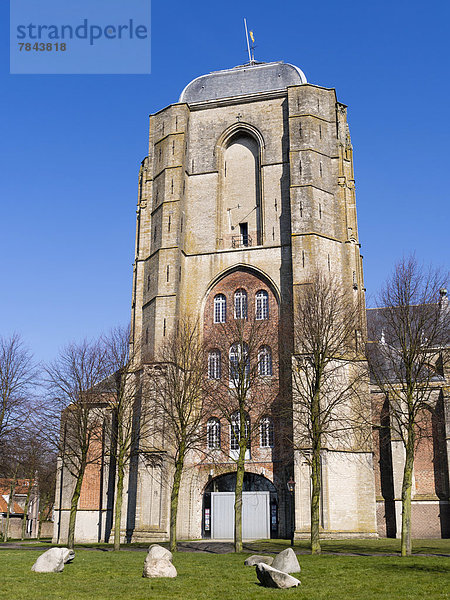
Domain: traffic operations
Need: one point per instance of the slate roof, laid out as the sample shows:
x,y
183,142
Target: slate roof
x,y
242,80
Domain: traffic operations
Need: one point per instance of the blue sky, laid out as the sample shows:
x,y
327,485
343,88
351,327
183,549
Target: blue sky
x,y
71,146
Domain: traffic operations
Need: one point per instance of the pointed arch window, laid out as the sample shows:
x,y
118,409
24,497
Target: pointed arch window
x,y
214,364
213,433
262,305
265,361
266,432
220,308
240,304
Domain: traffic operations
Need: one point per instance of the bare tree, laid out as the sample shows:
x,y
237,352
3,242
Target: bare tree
x,y
74,381
17,376
129,420
176,391
408,362
243,389
328,370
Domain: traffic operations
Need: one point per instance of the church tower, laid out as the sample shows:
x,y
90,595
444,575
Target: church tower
x,y
248,188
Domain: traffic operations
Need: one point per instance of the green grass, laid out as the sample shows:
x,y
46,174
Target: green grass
x,y
110,575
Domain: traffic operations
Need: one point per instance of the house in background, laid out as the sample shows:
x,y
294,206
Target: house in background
x,y
24,488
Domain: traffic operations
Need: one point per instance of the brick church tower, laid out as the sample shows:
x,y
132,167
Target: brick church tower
x,y
248,188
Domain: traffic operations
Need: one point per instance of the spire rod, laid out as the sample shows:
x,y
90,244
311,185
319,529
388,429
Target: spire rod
x,y
248,43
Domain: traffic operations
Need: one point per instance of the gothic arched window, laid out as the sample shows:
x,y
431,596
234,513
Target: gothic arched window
x,y
242,186
214,364
266,432
213,433
261,305
240,304
220,308
265,361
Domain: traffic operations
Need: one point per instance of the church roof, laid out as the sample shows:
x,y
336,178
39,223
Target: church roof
x,y
246,79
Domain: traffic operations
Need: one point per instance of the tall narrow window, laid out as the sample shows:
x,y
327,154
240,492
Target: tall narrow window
x,y
240,304
214,364
235,431
239,363
213,433
220,309
265,361
266,432
262,305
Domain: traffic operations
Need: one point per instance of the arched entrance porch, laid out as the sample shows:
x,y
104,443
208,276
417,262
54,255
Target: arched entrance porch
x,y
259,507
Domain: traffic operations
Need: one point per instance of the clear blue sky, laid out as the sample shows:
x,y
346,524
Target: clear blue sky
x,y
71,147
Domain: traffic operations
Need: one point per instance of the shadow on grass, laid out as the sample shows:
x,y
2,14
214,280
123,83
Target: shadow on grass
x,y
441,569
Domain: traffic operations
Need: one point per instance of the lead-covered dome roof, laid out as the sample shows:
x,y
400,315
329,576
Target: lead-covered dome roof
x,y
243,80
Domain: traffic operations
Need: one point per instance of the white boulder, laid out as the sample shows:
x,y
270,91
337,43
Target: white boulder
x,y
286,561
53,560
253,560
273,578
158,567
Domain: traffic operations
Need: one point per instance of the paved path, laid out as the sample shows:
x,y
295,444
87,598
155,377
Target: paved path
x,y
207,547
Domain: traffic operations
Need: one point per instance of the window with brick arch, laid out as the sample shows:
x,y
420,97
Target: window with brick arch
x,y
266,432
240,304
220,308
261,305
265,361
213,433
214,364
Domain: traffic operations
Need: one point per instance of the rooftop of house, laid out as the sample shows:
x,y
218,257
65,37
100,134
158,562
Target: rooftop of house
x,y
15,509
21,488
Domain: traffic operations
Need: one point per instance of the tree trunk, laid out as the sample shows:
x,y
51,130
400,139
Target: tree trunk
x,y
315,500
240,470
74,507
406,493
12,489
179,464
315,476
39,531
25,514
119,496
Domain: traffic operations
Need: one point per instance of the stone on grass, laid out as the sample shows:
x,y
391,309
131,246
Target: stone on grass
x,y
52,561
286,561
158,567
273,578
258,558
156,551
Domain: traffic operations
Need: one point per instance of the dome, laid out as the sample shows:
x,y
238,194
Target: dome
x,y
243,80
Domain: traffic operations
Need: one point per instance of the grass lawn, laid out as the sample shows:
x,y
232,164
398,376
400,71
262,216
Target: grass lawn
x,y
110,575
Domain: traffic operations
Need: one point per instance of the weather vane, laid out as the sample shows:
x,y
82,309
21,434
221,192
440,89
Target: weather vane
x,y
251,51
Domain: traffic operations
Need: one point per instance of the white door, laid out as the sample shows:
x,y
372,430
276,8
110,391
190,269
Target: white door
x,y
255,515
